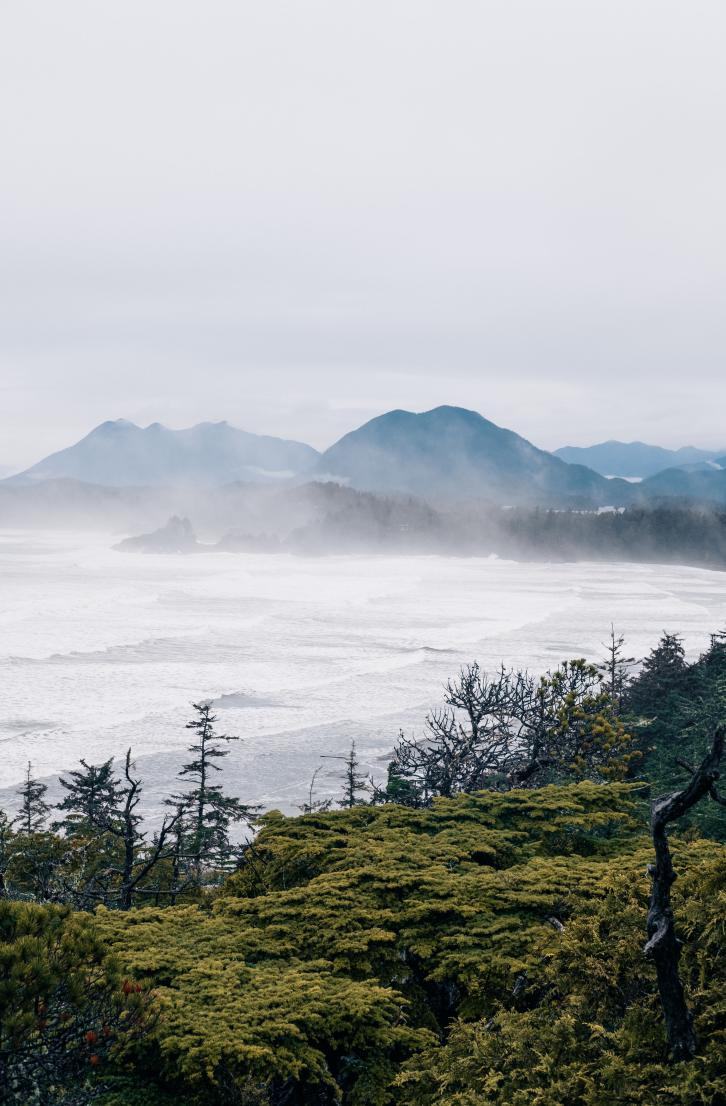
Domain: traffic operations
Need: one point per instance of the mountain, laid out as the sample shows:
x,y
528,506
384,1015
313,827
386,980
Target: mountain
x,y
453,453
121,454
449,454
632,459
694,485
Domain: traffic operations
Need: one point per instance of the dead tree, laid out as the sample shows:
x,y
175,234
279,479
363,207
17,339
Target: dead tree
x,y
137,862
663,946
313,805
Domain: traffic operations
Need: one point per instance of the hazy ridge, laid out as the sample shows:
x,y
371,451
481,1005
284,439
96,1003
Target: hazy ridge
x,y
444,481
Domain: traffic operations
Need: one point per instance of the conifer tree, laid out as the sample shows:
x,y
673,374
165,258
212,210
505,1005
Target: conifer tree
x,y
179,838
569,729
663,676
615,669
398,788
92,799
211,812
34,810
65,1008
353,781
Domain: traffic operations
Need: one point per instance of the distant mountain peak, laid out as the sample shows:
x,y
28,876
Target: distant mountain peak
x,y
118,453
114,424
455,453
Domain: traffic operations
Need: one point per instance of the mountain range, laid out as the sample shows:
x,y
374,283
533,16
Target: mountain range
x,y
444,453
636,459
448,454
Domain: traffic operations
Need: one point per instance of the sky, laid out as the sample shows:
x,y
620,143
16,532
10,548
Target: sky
x,y
297,215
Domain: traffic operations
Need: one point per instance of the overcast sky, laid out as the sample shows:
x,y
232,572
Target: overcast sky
x,y
297,215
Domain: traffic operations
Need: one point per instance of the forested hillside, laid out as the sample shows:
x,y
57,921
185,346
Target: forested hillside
x,y
470,930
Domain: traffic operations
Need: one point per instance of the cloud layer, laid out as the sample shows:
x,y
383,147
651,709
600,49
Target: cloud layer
x,y
297,215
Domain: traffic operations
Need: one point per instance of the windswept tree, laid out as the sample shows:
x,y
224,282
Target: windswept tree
x,y
33,810
92,799
33,855
91,804
210,812
512,731
467,744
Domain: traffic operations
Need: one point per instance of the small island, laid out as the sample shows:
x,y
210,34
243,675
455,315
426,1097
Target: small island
x,y
176,536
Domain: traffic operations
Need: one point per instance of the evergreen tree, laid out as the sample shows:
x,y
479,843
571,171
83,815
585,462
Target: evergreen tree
x,y
662,678
398,788
353,780
179,838
92,799
211,812
572,730
40,867
615,669
65,1008
678,706
34,810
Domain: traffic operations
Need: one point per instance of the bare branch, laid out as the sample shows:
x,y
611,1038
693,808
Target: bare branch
x,y
663,946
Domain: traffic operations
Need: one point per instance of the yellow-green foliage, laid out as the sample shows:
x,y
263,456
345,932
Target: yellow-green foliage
x,y
350,939
232,1009
588,1029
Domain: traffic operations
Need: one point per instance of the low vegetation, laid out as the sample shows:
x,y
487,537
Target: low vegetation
x,y
479,928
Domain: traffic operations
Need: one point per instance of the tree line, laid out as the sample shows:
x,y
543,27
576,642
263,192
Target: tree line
x,y
669,531
614,720
95,850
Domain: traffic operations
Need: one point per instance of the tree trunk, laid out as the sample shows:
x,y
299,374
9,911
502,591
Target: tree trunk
x,y
663,946
127,893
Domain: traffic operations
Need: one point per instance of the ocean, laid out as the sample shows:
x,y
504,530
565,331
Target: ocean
x,y
101,651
